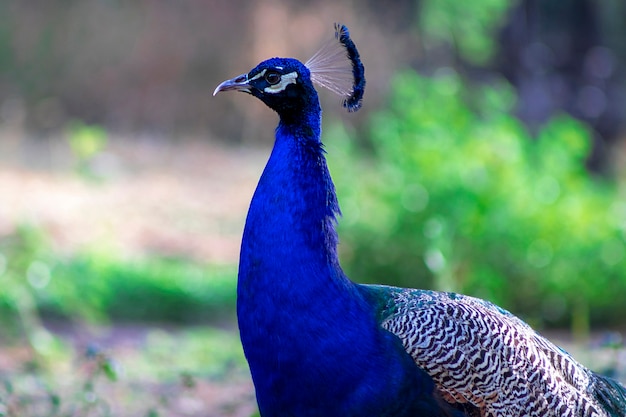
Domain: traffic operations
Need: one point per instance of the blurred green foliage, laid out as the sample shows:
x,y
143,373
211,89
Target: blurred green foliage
x,y
23,267
457,196
86,142
99,285
467,26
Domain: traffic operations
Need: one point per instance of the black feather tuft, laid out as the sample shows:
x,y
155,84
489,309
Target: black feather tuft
x,y
354,101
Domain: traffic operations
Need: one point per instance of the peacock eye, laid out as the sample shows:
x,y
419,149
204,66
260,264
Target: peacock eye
x,y
272,77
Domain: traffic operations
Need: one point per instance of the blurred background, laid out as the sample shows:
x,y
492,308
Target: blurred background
x,y
488,159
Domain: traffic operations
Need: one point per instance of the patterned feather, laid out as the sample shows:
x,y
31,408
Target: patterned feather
x,y
480,354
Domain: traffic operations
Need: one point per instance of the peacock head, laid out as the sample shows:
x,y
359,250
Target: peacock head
x,y
283,84
286,84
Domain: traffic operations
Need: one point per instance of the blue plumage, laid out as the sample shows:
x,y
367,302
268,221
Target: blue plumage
x,y
313,345
320,345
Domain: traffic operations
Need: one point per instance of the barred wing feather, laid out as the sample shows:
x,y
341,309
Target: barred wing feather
x,y
480,354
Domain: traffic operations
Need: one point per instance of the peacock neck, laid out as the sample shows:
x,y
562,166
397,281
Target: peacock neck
x,y
291,221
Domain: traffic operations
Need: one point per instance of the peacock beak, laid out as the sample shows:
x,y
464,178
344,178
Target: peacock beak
x,y
239,83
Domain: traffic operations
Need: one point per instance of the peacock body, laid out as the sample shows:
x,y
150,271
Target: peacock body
x,y
320,345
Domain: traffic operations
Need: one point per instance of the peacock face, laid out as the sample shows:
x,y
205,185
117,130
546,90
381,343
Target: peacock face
x,y
283,84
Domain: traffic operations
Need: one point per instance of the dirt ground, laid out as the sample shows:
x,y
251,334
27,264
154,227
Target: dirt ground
x,y
124,371
187,198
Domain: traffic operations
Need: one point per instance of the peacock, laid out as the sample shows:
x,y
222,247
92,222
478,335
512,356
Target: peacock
x,y
319,344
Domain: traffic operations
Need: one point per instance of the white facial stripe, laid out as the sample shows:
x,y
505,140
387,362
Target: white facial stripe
x,y
285,80
259,75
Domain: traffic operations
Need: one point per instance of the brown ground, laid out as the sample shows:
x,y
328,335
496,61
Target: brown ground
x,y
188,199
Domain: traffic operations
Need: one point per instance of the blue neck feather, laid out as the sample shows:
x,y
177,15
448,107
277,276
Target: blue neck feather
x,y
310,335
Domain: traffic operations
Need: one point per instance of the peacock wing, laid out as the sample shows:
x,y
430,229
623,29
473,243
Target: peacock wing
x,y
480,354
